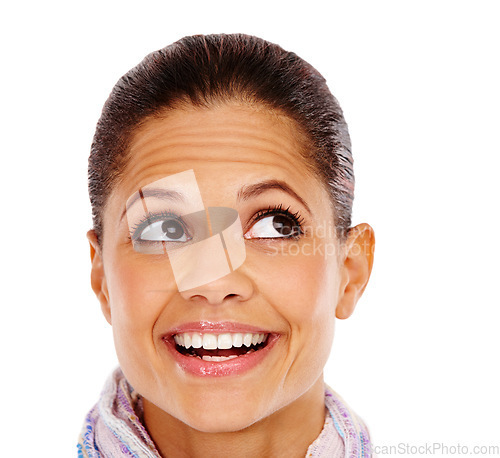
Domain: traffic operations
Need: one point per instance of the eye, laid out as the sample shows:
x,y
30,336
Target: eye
x,y
164,229
275,223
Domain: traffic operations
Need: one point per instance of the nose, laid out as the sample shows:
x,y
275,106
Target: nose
x,y
236,286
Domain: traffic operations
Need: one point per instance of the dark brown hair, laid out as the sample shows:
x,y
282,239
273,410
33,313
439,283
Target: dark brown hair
x,y
206,69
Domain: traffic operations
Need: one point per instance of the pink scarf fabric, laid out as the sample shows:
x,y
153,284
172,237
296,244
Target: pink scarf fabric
x,y
113,427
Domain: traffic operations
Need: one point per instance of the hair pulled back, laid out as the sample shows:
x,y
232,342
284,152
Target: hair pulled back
x,y
207,69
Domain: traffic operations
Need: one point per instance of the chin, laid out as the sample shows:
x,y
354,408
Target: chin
x,y
219,421
222,412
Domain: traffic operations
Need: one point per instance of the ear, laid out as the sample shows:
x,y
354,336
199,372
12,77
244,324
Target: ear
x,y
356,269
97,275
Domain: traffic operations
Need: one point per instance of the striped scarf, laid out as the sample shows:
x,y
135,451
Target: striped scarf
x,y
113,427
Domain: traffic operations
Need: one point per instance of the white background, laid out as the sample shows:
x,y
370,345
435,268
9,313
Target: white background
x,y
419,85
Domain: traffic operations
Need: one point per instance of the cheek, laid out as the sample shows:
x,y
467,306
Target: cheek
x,y
305,299
298,286
138,290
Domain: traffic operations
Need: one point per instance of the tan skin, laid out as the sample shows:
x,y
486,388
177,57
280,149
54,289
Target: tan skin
x,y
277,408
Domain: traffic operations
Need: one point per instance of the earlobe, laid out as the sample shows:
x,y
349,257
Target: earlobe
x,y
97,275
356,268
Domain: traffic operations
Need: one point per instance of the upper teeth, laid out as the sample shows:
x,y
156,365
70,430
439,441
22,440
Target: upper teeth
x,y
221,341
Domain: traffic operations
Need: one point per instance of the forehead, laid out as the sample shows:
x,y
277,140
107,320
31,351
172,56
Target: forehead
x,y
226,137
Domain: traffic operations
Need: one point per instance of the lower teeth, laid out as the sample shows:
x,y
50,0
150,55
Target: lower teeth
x,y
220,358
217,358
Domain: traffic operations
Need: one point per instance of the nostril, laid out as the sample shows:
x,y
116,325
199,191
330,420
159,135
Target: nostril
x,y
234,287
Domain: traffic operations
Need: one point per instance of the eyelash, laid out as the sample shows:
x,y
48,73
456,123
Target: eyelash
x,y
296,217
279,210
136,231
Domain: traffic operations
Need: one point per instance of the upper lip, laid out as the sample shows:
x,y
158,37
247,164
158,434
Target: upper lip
x,y
215,327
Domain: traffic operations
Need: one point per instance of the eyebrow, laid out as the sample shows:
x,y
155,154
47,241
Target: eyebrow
x,y
162,194
254,190
245,193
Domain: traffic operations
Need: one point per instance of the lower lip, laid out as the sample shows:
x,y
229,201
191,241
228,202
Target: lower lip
x,y
234,366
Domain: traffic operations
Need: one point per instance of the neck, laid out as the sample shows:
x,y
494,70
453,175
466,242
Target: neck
x,y
287,432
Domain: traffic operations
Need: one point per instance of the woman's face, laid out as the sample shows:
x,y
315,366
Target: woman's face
x,y
287,288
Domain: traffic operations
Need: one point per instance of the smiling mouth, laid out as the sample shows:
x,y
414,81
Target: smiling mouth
x,y
219,347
